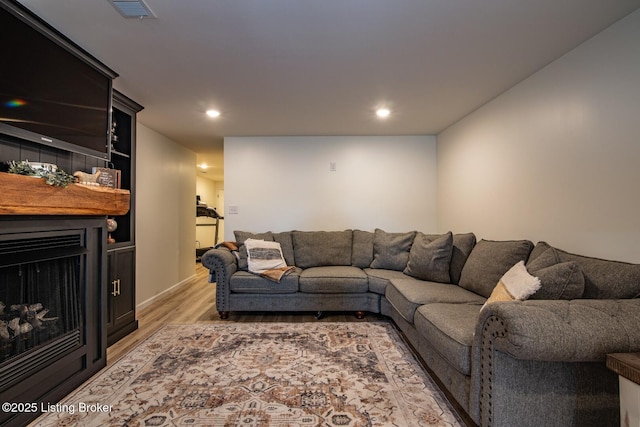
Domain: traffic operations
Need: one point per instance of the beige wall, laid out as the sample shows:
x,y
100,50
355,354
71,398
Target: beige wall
x,y
165,214
285,183
556,158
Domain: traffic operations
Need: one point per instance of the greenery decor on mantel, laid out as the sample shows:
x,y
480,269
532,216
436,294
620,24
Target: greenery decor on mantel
x,y
51,174
26,195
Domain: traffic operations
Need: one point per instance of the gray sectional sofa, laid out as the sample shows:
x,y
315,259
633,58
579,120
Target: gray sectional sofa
x,y
518,363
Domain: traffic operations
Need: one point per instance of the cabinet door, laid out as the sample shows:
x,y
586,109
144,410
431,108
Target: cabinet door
x,y
122,295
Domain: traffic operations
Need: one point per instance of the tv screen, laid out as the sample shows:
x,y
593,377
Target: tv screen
x,y
49,95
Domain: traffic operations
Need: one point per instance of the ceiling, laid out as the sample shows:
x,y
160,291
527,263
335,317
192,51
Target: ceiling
x,y
302,67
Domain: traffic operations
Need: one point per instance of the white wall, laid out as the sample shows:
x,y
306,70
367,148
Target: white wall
x,y
285,183
557,157
165,214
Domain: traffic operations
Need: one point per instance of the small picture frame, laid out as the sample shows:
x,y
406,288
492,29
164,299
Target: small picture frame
x,y
107,177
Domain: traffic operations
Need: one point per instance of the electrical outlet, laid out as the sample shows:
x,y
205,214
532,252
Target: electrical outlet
x,y
233,209
332,166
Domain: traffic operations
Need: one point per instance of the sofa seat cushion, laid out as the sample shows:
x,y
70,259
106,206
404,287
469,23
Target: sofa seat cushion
x,y
249,283
406,295
449,328
333,279
379,278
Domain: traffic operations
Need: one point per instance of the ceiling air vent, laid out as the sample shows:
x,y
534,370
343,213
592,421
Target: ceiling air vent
x,y
133,9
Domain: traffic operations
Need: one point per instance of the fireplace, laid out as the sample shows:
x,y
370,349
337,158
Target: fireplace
x,y
52,338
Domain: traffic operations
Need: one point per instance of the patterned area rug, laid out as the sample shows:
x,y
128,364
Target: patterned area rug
x,y
261,374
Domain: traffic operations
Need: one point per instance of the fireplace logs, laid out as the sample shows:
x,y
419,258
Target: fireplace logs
x,y
22,319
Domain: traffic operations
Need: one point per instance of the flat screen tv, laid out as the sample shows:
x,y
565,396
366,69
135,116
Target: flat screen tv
x,y
51,91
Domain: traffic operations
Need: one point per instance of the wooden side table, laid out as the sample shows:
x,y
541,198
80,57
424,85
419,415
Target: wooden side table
x,y
627,366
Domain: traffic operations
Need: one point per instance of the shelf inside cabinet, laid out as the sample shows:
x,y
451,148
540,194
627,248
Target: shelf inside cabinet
x,y
118,153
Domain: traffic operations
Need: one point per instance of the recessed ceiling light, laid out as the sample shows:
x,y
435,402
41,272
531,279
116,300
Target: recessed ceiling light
x,y
213,113
383,113
203,165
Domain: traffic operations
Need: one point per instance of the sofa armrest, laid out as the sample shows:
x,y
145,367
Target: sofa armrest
x,y
543,356
562,331
222,263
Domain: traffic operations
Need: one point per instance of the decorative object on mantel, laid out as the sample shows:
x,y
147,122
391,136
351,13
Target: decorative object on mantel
x,y
50,172
107,177
23,195
112,225
85,178
102,177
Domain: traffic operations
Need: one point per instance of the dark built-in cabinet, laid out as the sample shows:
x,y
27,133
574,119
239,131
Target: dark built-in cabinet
x,y
121,301
61,261
121,251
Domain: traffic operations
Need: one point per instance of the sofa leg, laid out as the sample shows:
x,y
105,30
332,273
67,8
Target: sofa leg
x,y
359,314
224,315
319,315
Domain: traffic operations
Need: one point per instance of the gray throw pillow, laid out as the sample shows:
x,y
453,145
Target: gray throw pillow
x,y
488,262
559,280
462,246
430,257
241,236
391,250
362,253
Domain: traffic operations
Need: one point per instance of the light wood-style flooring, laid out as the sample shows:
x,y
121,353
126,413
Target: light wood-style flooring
x,y
195,302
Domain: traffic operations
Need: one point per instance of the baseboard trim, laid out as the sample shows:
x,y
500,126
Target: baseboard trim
x,y
164,293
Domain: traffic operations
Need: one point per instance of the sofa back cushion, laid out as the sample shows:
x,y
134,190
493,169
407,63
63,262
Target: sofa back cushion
x,y
241,236
462,246
603,279
430,257
286,243
322,248
489,261
362,252
391,250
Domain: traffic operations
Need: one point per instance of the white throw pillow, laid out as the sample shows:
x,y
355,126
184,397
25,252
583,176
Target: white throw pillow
x,y
516,284
263,255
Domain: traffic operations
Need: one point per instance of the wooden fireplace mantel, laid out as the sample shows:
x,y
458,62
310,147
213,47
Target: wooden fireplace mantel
x,y
25,195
